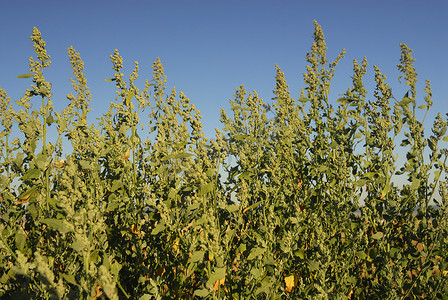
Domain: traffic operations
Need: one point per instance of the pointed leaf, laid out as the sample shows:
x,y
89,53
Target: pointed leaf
x,y
183,155
26,75
70,278
129,98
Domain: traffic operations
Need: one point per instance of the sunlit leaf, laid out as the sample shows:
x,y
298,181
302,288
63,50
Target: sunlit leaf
x,y
202,292
129,98
218,274
405,101
197,256
358,135
291,282
110,79
26,75
300,253
158,228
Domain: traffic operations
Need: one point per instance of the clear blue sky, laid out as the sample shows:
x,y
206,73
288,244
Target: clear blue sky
x,y
209,48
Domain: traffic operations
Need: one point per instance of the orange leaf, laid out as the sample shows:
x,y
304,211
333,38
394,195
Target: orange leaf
x,y
98,292
134,229
420,247
218,283
300,184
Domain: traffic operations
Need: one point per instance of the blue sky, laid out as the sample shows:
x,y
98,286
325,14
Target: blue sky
x,y
209,48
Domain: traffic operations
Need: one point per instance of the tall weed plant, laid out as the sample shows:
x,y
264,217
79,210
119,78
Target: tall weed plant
x,y
308,209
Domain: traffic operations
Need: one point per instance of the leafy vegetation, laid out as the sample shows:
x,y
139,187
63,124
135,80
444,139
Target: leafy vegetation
x,y
309,208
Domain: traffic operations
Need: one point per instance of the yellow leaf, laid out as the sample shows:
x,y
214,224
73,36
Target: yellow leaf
x,y
291,282
175,245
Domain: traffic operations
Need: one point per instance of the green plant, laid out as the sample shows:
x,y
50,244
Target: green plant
x,y
309,208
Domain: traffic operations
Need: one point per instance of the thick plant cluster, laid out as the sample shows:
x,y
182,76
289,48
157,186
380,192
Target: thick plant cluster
x,y
307,208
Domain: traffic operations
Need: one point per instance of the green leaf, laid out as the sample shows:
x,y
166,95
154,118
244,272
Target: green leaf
x,y
244,175
50,120
423,106
445,138
304,99
182,155
232,208
405,101
378,235
116,185
252,206
351,279
361,254
28,194
196,256
255,253
111,79
205,189
26,75
78,245
70,278
31,174
358,135
202,292
60,225
300,253
85,164
20,240
313,265
180,145
242,248
241,137
111,206
159,227
218,274
342,100
415,183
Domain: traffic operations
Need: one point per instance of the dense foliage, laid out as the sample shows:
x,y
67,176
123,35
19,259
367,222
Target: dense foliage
x,y
308,208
